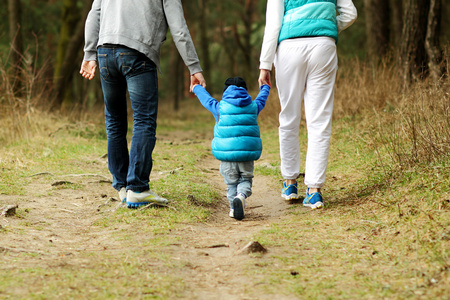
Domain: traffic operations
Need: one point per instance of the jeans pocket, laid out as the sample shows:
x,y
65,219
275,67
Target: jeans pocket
x,y
134,63
103,65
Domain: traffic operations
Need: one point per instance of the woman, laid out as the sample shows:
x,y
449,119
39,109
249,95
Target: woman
x,y
300,40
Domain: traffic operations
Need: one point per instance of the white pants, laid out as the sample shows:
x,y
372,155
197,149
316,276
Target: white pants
x,y
306,69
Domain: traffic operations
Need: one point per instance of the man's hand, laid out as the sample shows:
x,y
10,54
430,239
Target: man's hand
x,y
197,78
264,78
88,69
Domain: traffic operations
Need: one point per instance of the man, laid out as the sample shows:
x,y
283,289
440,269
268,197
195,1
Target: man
x,y
126,37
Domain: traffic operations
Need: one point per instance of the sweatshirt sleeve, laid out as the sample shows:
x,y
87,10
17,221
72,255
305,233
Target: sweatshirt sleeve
x,y
91,31
173,10
274,18
262,97
347,14
207,101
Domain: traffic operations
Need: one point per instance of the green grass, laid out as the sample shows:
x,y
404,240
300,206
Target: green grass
x,y
56,156
115,276
384,232
346,248
106,273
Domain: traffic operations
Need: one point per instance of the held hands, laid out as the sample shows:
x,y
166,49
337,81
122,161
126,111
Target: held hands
x,y
264,78
88,69
197,78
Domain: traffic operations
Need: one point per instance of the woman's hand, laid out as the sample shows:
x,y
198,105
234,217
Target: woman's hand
x,y
264,78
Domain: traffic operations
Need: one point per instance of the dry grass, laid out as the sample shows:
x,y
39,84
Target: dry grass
x,y
385,230
383,233
413,124
22,100
362,86
418,130
359,87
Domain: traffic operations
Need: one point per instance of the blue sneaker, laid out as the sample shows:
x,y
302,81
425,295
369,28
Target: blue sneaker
x,y
313,200
289,192
136,199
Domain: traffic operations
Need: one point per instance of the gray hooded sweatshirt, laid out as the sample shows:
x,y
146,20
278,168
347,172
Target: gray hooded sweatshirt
x,y
141,25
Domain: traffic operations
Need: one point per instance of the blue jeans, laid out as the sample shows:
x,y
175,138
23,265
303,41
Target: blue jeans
x,y
238,177
122,68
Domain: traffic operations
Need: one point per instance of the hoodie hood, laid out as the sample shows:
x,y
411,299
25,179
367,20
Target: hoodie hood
x,y
237,96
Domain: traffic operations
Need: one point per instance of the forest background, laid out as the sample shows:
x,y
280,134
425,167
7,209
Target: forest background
x,y
41,44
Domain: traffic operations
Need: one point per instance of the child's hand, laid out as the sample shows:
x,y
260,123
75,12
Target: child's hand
x,y
197,78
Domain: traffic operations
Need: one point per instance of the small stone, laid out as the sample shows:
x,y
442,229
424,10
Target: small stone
x,y
9,210
253,247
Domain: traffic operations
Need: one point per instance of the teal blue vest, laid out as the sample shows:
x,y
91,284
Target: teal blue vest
x,y
309,18
236,135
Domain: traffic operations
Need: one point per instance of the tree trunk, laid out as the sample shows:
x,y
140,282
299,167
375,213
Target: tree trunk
x,y
204,41
243,38
176,73
432,44
69,20
15,34
377,27
396,9
179,81
413,57
229,50
68,51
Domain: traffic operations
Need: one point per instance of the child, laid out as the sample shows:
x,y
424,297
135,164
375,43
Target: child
x,y
237,143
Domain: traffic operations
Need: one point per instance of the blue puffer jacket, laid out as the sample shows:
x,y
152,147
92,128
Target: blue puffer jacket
x,y
309,18
236,133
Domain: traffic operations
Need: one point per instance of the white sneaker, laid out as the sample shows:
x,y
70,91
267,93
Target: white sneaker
x,y
239,204
231,214
136,199
123,195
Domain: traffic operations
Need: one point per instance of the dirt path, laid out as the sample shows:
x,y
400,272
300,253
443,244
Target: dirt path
x,y
214,250
58,229
68,240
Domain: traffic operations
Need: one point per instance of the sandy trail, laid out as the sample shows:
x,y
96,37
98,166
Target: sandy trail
x,y
61,226
213,251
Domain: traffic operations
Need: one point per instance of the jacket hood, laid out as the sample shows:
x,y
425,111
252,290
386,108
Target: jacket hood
x,y
237,96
